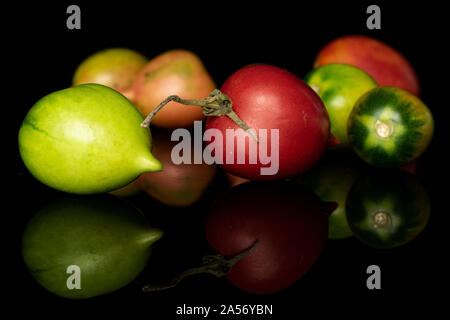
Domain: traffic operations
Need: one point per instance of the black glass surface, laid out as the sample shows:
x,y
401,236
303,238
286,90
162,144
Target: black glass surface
x,y
43,54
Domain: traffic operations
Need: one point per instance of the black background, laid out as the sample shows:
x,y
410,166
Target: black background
x,y
43,55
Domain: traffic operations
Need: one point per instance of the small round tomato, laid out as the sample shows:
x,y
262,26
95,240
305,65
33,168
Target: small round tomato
x,y
390,127
387,208
288,117
175,72
339,86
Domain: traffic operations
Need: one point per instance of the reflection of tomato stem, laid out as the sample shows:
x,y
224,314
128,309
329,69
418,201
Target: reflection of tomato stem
x,y
216,265
217,104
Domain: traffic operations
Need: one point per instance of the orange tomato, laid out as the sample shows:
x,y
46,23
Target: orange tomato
x,y
176,72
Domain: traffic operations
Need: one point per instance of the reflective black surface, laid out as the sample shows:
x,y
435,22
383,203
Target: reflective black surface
x,y
44,55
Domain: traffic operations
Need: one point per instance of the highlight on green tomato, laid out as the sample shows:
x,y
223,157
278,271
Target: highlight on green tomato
x,y
339,86
331,180
390,127
387,208
86,139
84,246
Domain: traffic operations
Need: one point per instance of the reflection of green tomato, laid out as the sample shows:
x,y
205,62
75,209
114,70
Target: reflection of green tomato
x,y
108,241
387,209
331,180
339,86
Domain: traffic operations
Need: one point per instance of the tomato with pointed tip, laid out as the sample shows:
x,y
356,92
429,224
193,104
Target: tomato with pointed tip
x,y
85,139
103,240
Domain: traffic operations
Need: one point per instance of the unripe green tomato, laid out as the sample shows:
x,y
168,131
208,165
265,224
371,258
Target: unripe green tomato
x,y
390,127
339,86
85,139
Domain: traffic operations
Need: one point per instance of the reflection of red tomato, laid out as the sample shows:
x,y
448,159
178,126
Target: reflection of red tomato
x,y
289,222
267,97
176,185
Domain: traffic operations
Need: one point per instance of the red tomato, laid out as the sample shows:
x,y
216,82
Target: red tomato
x,y
289,222
268,97
385,64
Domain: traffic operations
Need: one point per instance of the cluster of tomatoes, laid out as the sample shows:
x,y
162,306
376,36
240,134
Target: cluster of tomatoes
x,y
362,95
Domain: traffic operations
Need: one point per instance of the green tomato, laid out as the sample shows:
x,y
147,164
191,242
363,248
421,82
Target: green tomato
x,y
387,208
116,68
339,86
331,180
107,240
390,127
85,139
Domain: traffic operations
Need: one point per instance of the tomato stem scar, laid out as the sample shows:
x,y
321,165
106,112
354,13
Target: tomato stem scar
x,y
384,129
381,219
217,104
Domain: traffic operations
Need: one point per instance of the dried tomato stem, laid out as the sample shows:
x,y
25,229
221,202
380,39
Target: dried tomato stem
x,y
217,104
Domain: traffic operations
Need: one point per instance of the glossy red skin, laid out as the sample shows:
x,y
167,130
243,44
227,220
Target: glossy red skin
x,y
385,64
289,222
268,97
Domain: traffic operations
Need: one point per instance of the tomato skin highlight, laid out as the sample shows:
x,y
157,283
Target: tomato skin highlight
x,y
389,127
398,197
268,97
289,222
385,64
